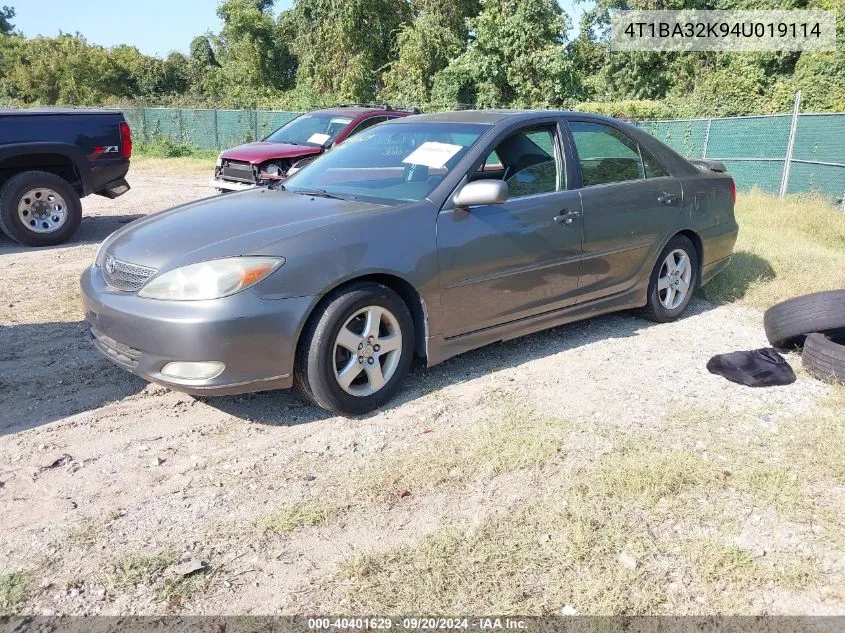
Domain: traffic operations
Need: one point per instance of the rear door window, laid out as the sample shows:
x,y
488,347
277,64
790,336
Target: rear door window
x,y
653,168
363,125
605,154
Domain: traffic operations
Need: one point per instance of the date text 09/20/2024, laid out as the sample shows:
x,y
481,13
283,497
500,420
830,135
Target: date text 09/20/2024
x,y
417,623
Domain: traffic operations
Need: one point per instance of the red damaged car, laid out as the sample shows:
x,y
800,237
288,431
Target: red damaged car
x,y
296,142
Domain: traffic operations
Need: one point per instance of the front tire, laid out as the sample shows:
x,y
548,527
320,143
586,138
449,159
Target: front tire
x,y
356,349
38,208
672,282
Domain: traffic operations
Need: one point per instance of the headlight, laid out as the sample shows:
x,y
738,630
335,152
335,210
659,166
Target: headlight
x,y
219,161
210,280
273,170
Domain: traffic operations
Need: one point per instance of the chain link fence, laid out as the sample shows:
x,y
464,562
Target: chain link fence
x,y
204,129
753,148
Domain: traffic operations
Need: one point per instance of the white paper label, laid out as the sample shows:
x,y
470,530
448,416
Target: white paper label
x,y
432,154
319,139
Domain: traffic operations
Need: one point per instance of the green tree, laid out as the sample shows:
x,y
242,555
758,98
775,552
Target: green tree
x,y
517,57
253,57
437,35
6,14
62,70
342,46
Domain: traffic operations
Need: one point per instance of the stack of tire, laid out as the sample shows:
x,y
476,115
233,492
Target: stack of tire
x,y
816,323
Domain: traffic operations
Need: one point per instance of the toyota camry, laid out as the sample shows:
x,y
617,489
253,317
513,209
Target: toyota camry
x,y
425,236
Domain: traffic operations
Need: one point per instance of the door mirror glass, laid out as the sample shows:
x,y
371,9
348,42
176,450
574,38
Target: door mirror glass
x,y
481,192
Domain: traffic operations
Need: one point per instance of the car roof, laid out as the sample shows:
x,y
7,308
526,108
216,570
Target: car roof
x,y
354,111
491,117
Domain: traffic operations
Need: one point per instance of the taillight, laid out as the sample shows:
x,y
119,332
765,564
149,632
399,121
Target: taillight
x,y
125,140
733,192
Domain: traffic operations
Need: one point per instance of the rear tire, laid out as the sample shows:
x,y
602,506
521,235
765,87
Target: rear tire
x,y
38,208
672,282
356,349
824,357
788,323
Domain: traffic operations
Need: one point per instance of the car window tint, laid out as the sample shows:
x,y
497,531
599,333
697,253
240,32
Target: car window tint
x,y
527,160
653,169
606,155
363,125
492,163
310,129
394,162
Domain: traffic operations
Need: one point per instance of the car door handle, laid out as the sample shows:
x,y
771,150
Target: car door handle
x,y
566,217
666,198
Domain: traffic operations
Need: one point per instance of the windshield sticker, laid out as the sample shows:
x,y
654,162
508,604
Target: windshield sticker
x,y
432,154
341,121
319,139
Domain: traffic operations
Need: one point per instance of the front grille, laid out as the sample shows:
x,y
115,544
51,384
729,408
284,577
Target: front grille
x,y
236,170
125,276
121,353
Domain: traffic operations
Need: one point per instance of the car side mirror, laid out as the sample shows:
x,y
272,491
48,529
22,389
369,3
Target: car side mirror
x,y
481,192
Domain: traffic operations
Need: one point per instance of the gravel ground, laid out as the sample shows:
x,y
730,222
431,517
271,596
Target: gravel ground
x,y
107,483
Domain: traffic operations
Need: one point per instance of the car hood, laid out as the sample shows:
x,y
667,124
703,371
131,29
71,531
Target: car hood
x,y
256,153
231,225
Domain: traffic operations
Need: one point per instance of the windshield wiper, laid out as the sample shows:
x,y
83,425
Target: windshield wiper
x,y
322,193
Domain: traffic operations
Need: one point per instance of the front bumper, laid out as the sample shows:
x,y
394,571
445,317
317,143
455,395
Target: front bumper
x,y
255,338
231,185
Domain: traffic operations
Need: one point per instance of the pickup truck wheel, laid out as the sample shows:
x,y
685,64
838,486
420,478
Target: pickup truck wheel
x,y
38,208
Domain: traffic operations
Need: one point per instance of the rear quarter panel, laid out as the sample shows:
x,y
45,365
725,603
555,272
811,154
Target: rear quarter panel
x,y
78,135
711,214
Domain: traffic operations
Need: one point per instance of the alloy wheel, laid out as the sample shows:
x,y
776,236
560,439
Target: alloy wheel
x,y
673,282
367,351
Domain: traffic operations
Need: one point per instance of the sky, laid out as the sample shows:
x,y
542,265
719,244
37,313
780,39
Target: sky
x,y
156,27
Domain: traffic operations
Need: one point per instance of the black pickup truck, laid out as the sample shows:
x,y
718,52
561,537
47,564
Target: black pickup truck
x,y
51,158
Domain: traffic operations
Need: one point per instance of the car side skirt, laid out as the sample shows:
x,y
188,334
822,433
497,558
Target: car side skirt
x,y
441,348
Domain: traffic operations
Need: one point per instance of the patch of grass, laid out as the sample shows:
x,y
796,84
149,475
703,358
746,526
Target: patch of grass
x,y
175,591
164,147
86,534
138,569
292,517
646,474
815,445
516,563
128,572
782,246
15,588
672,512
565,548
716,562
167,167
770,485
511,438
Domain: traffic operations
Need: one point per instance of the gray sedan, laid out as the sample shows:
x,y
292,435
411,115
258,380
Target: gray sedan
x,y
426,236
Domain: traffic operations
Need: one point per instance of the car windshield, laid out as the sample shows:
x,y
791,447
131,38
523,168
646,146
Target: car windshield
x,y
310,129
391,162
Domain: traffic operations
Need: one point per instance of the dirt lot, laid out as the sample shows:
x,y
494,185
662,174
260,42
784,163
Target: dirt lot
x,y
595,468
